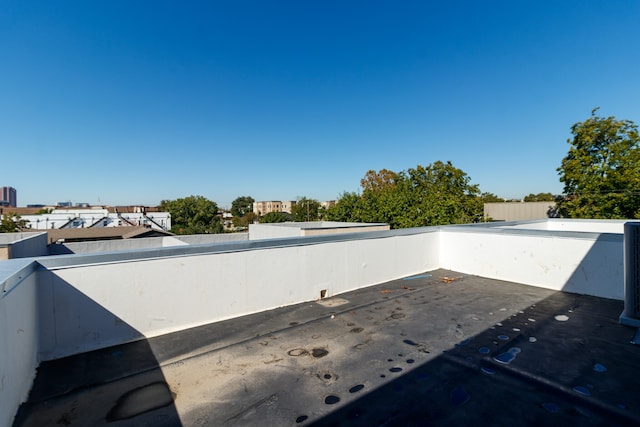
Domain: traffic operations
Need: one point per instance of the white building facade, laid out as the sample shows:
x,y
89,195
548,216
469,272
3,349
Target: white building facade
x,y
86,218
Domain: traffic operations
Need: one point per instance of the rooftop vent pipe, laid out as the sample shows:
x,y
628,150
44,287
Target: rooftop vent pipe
x,y
631,314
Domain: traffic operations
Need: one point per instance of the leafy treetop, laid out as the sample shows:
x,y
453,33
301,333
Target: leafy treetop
x,y
379,181
242,205
193,215
274,217
435,194
491,198
11,223
305,209
601,172
540,197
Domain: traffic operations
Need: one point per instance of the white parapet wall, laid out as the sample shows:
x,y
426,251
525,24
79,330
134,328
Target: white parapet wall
x,y
22,245
102,300
143,243
579,225
19,335
56,306
311,228
585,263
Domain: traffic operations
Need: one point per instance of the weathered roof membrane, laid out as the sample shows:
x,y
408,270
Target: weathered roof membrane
x,y
435,348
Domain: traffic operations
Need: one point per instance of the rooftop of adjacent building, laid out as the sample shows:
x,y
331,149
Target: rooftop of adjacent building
x,y
516,323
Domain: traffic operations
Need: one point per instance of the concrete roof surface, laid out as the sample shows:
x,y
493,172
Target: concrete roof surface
x,y
438,348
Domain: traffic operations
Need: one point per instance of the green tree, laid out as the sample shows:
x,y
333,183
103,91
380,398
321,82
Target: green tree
x,y
193,215
491,198
242,211
381,199
442,194
242,206
245,220
348,208
11,223
436,194
274,217
305,209
601,172
540,197
379,181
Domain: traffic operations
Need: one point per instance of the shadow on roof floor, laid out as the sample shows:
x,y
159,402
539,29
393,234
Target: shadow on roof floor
x,y
563,361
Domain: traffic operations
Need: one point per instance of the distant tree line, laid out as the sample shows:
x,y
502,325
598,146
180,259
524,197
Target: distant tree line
x,y
435,194
540,197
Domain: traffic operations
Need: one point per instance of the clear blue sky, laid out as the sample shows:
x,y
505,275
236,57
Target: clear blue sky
x,y
133,102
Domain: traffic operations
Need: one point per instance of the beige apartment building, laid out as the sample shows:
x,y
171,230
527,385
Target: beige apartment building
x,y
328,204
263,208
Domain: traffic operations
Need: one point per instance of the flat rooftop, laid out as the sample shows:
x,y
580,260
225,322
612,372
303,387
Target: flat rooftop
x,y
435,348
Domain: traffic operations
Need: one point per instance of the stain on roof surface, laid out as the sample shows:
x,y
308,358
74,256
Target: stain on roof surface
x,y
441,348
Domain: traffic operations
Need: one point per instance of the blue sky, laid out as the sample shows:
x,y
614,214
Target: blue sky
x,y
133,102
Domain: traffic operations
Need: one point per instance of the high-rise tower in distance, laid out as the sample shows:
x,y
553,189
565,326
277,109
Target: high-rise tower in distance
x,y
8,197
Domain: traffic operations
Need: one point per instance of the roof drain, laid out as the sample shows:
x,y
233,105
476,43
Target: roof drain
x,y
631,314
323,293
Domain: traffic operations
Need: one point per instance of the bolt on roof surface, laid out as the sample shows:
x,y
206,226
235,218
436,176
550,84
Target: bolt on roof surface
x,y
437,348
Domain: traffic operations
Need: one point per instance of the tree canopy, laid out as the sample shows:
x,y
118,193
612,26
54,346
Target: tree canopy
x,y
242,205
193,215
491,198
11,223
601,172
540,197
443,195
348,208
378,181
243,222
242,211
305,209
435,194
273,217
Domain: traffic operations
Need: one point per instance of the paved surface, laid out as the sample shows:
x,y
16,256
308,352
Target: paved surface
x,y
438,348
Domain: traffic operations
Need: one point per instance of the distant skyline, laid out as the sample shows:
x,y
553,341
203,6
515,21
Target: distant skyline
x,y
122,103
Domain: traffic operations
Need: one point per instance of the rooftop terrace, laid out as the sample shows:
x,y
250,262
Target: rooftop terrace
x,y
446,326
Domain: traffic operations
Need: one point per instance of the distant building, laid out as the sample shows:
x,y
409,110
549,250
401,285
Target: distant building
x,y
328,204
227,220
8,197
263,208
520,211
287,205
71,235
98,218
